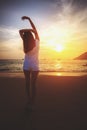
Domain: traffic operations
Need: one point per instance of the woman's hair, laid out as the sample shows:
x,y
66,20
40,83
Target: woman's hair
x,y
28,41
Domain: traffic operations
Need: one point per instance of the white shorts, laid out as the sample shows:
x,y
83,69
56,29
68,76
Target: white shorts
x,y
30,65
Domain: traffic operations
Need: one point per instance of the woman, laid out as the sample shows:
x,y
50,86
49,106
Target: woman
x,y
30,39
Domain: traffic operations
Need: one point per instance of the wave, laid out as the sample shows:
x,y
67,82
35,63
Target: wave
x,y
15,65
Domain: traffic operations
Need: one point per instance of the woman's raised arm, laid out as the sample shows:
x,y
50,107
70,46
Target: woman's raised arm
x,y
33,26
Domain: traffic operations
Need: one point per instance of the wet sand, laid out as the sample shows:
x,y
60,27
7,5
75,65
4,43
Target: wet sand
x,y
61,103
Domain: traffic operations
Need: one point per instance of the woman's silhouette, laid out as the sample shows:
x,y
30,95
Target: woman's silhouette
x,y
31,40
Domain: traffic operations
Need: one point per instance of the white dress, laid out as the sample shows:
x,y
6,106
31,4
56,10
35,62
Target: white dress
x,y
31,60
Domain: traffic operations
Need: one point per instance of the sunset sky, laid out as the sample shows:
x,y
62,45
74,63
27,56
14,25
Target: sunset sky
x,y
61,24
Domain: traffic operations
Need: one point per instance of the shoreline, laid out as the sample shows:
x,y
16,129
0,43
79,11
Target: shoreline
x,y
59,74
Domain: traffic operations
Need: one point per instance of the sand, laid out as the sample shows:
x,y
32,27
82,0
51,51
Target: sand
x,y
61,103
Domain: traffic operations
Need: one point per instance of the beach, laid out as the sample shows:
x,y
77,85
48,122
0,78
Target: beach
x,y
61,102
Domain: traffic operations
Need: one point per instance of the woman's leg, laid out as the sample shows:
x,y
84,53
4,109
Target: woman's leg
x,y
27,82
34,76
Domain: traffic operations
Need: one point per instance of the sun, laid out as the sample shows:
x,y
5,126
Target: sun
x,y
59,47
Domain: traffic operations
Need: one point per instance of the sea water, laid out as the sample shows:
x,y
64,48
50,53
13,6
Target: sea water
x,y
45,65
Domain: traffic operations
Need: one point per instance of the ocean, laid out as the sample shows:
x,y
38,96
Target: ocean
x,y
46,65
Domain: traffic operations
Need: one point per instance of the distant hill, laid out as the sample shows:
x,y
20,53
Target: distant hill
x,y
82,57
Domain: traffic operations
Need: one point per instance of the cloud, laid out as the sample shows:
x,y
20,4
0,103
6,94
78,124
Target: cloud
x,y
7,33
58,13
67,23
79,4
71,10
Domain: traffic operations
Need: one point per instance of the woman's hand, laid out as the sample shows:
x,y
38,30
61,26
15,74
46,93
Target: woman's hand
x,y
24,17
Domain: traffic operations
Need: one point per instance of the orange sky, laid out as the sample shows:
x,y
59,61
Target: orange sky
x,y
63,31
